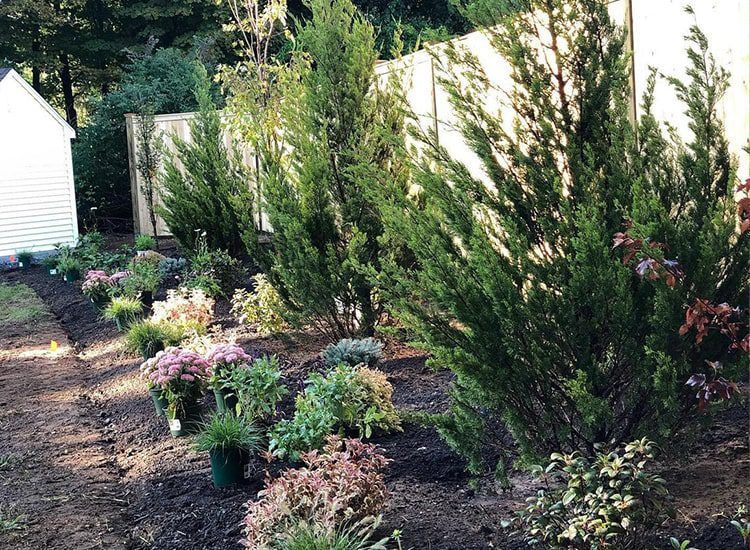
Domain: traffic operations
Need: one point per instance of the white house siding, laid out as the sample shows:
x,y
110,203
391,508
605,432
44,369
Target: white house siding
x,y
37,197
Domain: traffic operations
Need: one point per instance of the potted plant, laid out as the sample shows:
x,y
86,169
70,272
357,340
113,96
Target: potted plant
x,y
182,375
24,259
224,358
70,268
50,264
155,391
229,441
148,338
97,285
143,281
144,243
124,311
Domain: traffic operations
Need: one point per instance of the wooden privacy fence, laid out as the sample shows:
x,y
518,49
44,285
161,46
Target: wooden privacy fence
x,y
656,38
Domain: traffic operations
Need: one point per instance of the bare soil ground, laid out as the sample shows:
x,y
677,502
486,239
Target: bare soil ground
x,y
131,485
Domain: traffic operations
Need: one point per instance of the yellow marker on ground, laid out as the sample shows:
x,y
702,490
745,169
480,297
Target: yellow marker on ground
x,y
53,345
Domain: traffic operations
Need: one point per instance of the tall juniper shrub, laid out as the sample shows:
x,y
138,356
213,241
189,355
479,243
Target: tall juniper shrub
x,y
515,286
339,128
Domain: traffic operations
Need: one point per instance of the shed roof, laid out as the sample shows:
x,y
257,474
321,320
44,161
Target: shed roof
x,y
7,73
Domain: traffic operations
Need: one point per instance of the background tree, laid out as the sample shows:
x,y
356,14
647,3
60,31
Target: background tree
x,y
205,187
515,287
166,78
340,132
148,160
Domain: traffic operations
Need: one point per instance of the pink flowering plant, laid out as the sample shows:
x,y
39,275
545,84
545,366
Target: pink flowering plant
x,y
119,277
337,487
97,285
223,359
181,374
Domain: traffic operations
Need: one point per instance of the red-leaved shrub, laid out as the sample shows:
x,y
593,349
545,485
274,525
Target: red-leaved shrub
x,y
341,484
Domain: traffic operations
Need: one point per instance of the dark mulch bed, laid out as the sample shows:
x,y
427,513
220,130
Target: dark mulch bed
x,y
172,503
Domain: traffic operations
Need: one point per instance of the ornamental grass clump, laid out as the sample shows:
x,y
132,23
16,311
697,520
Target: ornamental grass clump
x,y
148,338
338,486
226,433
181,374
187,308
124,311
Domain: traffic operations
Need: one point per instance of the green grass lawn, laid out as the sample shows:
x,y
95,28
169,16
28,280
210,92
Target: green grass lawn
x,y
18,304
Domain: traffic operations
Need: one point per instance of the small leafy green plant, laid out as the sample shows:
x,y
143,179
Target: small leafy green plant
x,y
680,545
145,242
25,257
609,500
227,432
70,265
741,522
258,387
144,277
262,307
348,397
214,271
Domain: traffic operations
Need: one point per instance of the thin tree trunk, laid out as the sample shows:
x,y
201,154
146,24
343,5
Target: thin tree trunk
x,y
67,87
36,71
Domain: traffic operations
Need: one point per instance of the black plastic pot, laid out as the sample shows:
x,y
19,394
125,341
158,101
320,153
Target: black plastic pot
x,y
147,299
160,402
71,275
228,467
185,423
99,304
225,401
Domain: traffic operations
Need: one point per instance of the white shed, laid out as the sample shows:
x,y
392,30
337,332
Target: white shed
x,y
37,195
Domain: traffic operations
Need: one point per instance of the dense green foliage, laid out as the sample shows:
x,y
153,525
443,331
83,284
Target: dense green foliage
x,y
346,398
164,81
606,501
204,189
515,286
74,50
367,351
258,388
326,227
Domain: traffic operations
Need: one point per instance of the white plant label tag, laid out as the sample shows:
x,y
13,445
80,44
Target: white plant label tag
x,y
247,471
53,272
20,264
175,425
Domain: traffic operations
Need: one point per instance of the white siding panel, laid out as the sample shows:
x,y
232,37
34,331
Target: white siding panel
x,y
37,202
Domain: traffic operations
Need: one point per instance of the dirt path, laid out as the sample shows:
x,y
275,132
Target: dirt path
x,y
58,481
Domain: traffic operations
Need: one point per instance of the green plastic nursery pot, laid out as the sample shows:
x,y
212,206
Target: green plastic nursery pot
x,y
187,424
225,403
228,467
160,402
71,275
